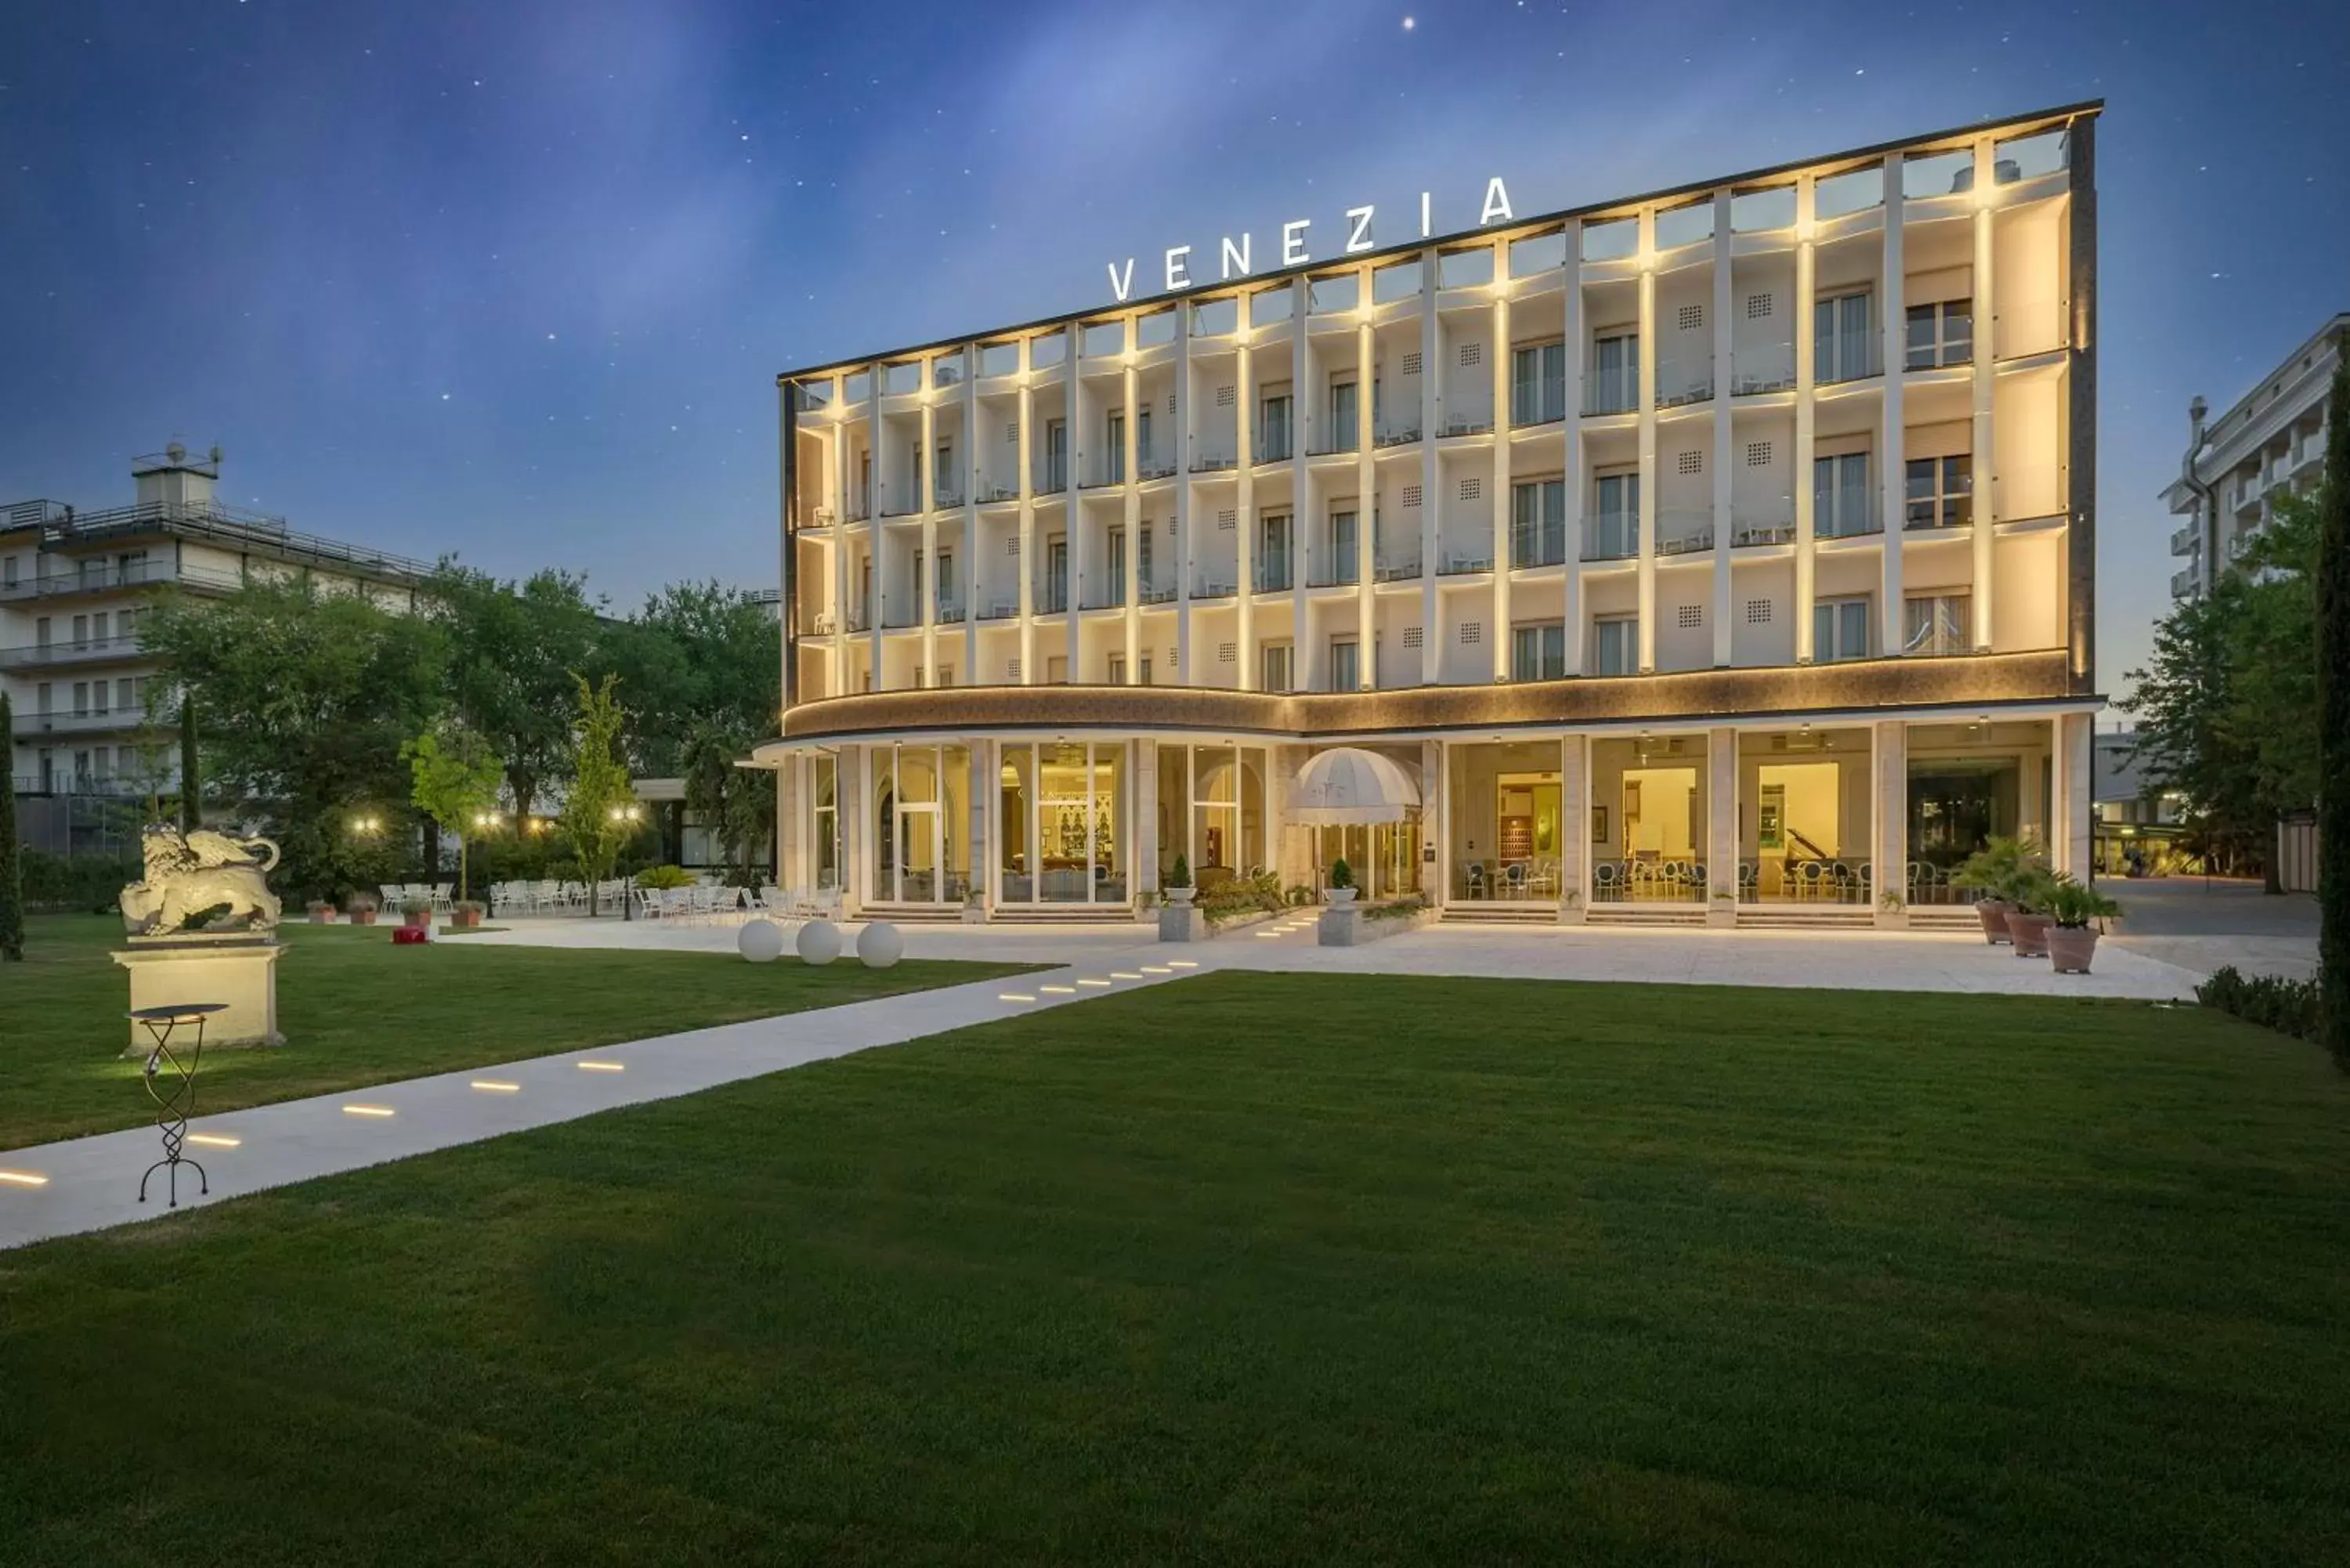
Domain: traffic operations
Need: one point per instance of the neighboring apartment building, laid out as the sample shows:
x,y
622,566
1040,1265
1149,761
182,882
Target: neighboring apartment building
x,y
2271,443
1722,553
75,585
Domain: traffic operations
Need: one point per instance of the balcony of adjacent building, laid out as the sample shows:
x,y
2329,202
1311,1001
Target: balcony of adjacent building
x,y
2187,540
70,651
94,576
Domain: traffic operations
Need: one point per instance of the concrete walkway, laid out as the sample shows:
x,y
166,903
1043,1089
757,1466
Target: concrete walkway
x,y
2200,924
87,1184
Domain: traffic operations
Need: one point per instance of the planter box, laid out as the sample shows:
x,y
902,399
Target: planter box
x,y
1994,916
417,921
2029,933
2070,947
324,915
465,919
363,917
1182,923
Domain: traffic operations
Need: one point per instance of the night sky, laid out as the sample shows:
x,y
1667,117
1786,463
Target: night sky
x,y
514,280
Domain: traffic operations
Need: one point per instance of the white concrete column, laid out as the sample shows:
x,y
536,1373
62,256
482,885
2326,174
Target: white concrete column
x,y
1574,827
927,603
1366,499
968,463
1648,561
1145,793
1288,855
1130,510
1244,515
872,524
852,798
1984,381
1889,821
1431,373
1074,519
1025,456
1893,445
982,788
1306,416
838,544
2070,825
1180,553
1502,501
1806,415
1577,353
1724,521
791,842
1721,825
1436,818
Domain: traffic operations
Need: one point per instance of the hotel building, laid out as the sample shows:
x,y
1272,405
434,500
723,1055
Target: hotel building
x,y
1720,554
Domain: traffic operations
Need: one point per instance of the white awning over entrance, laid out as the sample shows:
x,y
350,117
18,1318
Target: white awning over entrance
x,y
1349,787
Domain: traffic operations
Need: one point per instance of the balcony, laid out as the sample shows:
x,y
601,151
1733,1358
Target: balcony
x,y
1763,523
1848,515
1465,561
894,618
992,491
2182,584
1051,596
92,722
1474,421
1110,597
1151,465
1763,367
1681,382
1213,461
1946,514
1332,446
1344,575
1273,576
1212,586
1682,533
1273,446
1542,546
944,498
1841,356
1052,479
1161,593
1612,391
2186,541
55,655
1533,403
1397,570
101,576
858,618
949,613
1104,471
1002,607
1396,434
1611,537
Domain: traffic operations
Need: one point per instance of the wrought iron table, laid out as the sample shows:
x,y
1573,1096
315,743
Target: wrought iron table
x,y
174,1103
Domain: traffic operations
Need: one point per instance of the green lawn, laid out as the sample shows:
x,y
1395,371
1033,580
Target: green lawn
x,y
1267,1269
355,1010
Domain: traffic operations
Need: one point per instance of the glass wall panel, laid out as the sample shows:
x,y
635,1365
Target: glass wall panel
x,y
824,830
1648,820
954,823
882,876
1969,784
1804,818
1016,796
1174,809
1064,829
1110,853
1215,814
1506,825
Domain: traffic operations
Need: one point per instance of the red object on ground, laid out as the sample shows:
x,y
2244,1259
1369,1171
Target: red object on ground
x,y
408,936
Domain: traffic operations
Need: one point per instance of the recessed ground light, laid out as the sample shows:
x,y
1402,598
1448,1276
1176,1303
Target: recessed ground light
x,y
1015,996
602,1067
495,1086
1101,984
24,1178
1269,936
1123,974
1182,964
1059,989
1156,968
215,1140
368,1110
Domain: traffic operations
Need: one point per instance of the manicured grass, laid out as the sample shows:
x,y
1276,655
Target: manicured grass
x,y
1267,1269
355,1011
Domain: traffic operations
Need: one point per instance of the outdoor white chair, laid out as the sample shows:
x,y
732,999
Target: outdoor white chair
x,y
444,896
393,895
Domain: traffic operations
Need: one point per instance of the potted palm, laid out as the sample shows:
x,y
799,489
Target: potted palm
x,y
361,908
1341,890
2028,919
1180,890
1996,871
2073,941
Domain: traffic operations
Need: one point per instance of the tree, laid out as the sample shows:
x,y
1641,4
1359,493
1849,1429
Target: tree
x,y
454,780
191,788
2333,710
308,696
698,655
12,860
738,803
512,649
599,808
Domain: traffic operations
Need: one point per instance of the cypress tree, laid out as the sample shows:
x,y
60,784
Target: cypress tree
x,y
2334,722
12,867
192,795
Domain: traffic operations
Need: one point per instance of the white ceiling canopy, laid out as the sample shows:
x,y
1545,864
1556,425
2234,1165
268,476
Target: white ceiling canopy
x,y
1348,786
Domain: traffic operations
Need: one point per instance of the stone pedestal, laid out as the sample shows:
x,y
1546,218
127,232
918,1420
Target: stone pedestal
x,y
1182,923
1341,926
237,970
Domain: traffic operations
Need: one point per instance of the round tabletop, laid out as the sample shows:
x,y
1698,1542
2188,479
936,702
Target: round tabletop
x,y
182,1013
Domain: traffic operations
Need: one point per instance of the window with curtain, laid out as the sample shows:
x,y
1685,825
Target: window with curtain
x,y
1538,523
1840,630
1937,623
1840,498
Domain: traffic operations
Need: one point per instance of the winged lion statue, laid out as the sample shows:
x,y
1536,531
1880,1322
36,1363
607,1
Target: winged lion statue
x,y
188,873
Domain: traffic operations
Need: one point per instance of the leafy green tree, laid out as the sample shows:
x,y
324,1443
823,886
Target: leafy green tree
x,y
512,649
599,807
308,695
12,866
192,781
738,803
697,656
454,780
2333,712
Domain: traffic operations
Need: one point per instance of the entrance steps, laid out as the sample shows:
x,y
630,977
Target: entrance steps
x,y
1492,915
1645,915
1806,917
1063,915
1944,918
910,914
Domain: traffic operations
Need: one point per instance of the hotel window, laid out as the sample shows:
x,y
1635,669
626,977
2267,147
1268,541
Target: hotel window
x,y
946,486
1345,664
950,603
1615,644
1840,496
1272,573
1614,523
1053,593
81,699
44,696
1118,669
1272,428
1057,669
1615,374
1143,672
1344,414
1055,477
1114,568
1114,447
1538,652
1844,349
1935,623
1273,662
1538,383
1142,561
1343,546
1941,334
8,571
1840,630
1142,439
1538,523
1940,493
824,780
946,675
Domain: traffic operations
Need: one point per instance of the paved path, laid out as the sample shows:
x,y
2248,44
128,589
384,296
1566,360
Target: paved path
x,y
2201,925
86,1184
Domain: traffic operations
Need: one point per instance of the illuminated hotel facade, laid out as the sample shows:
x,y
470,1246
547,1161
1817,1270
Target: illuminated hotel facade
x,y
1723,555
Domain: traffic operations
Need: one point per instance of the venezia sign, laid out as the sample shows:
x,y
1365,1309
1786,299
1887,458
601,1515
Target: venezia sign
x,y
1238,260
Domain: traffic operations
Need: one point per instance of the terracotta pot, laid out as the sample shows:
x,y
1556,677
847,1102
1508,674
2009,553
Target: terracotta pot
x,y
363,917
2070,947
2029,932
417,921
322,915
467,919
1994,916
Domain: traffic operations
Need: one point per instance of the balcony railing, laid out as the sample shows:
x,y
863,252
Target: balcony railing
x,y
1465,562
1396,434
1053,479
1151,467
1213,461
859,618
1271,576
1468,422
1542,546
1331,446
1104,471
1683,381
1273,446
1397,570
2181,583
48,655
1611,391
1212,587
1111,598
1537,403
2186,541
1763,522
1684,533
91,722
1347,574
96,577
1161,593
1051,596
1004,607
943,497
1853,518
951,612
994,489
1763,367
1837,359
896,619
1611,537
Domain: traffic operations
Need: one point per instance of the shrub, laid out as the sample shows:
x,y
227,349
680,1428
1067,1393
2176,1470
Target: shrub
x,y
1341,874
2071,902
58,882
1300,895
2010,869
2272,1002
1182,875
1243,895
664,876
